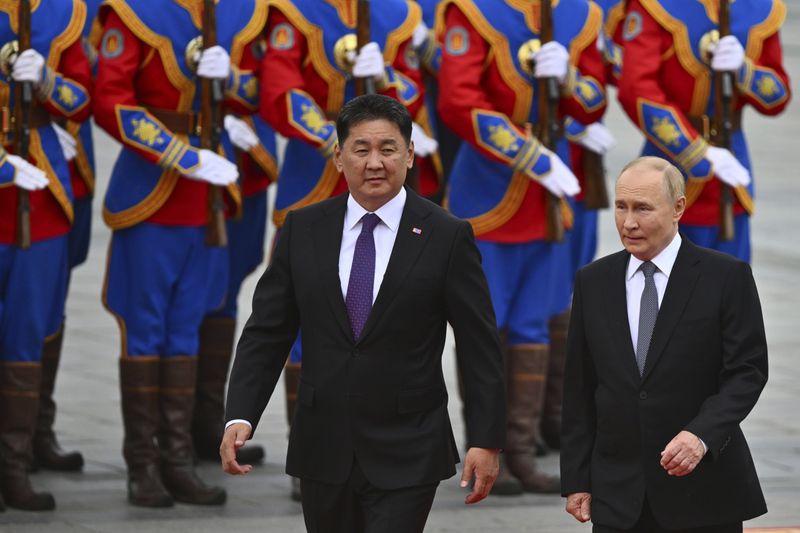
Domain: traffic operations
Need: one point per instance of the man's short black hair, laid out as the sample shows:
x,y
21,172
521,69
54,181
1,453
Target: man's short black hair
x,y
373,107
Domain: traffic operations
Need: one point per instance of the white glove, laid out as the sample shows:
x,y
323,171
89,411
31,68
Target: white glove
x,y
423,145
69,146
552,61
214,63
28,66
214,169
726,167
27,177
420,35
242,135
560,180
369,62
598,138
728,54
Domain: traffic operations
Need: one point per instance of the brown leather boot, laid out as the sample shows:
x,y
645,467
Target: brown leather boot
x,y
527,365
178,375
208,423
46,451
19,405
291,380
139,381
554,392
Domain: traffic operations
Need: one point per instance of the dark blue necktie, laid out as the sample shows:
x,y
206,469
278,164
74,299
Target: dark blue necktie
x,y
362,276
648,312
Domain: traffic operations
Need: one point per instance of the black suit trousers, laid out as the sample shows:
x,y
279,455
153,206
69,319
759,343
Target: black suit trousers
x,y
357,506
648,524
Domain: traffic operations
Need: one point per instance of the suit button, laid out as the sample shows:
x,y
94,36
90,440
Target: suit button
x,y
643,395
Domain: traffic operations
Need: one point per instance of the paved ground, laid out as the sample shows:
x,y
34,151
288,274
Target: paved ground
x,y
88,397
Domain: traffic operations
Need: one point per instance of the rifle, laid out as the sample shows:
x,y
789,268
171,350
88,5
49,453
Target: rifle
x,y
211,131
22,108
548,125
363,36
595,195
723,125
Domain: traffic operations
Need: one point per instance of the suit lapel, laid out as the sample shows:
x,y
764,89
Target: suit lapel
x,y
412,235
616,296
327,235
681,283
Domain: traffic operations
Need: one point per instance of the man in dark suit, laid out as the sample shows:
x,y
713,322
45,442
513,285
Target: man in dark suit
x,y
372,278
666,356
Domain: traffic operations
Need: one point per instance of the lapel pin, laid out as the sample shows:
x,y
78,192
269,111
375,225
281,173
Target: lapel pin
x,y
417,231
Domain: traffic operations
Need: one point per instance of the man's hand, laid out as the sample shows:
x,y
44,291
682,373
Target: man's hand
x,y
682,454
727,168
560,180
234,438
240,133
214,169
579,505
69,146
27,176
481,465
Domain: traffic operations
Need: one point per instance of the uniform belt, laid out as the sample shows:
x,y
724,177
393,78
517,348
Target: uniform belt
x,y
180,122
705,125
38,118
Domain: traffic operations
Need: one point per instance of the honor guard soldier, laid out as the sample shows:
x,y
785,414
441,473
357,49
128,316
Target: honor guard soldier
x,y
587,146
250,142
45,77
502,176
675,76
311,62
163,275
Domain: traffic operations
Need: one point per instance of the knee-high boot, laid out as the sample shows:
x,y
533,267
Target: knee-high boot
x,y
46,451
291,380
527,366
554,392
208,423
139,382
177,378
19,406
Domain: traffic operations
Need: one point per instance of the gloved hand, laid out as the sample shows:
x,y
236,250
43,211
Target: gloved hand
x,y
369,62
560,180
423,145
726,167
214,63
69,146
552,60
27,177
28,66
242,135
420,35
728,54
214,169
598,138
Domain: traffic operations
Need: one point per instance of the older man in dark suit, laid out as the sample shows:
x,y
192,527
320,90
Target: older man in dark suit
x,y
372,278
666,356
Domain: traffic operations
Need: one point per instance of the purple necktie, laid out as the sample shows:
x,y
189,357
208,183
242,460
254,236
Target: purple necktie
x,y
362,276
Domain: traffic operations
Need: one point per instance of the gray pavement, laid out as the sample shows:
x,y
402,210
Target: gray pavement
x,y
88,397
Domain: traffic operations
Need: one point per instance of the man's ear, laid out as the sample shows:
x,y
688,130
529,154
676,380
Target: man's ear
x,y
680,208
337,157
410,162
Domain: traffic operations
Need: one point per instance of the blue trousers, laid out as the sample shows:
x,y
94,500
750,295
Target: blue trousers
x,y
708,236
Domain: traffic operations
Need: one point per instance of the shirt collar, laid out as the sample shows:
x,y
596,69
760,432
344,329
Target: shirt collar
x,y
389,213
663,261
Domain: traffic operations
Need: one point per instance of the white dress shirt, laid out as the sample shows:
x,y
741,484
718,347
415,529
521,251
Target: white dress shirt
x,y
384,235
634,282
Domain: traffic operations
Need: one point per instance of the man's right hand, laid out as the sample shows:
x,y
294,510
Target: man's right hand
x,y
234,438
27,176
579,505
214,169
727,168
560,180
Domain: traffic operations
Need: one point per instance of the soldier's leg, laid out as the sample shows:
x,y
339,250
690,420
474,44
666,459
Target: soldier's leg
x,y
32,282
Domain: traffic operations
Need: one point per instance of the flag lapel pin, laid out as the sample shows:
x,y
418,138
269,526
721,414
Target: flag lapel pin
x,y
416,231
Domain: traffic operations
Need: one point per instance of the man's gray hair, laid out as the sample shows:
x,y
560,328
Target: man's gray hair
x,y
674,185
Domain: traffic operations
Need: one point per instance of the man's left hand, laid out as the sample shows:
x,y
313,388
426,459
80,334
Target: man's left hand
x,y
482,465
682,454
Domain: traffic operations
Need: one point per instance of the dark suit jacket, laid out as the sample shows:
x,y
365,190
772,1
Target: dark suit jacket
x,y
705,370
381,399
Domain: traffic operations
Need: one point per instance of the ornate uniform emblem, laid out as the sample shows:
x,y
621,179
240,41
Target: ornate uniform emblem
x,y
456,42
503,139
632,25
282,37
146,132
67,96
342,51
113,44
312,118
767,87
666,131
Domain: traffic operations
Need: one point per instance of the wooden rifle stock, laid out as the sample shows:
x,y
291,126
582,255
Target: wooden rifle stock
x,y
22,106
211,131
363,37
549,95
723,94
595,194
